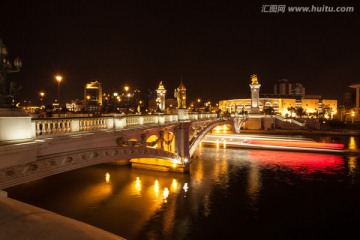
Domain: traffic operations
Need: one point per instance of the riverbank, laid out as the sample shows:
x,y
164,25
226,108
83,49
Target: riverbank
x,y
23,221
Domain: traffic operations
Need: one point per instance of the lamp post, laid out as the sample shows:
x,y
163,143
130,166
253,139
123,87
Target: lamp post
x,y
198,104
59,79
7,92
126,88
42,94
116,95
139,107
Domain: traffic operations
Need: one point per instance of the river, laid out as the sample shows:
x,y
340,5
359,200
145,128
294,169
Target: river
x,y
228,194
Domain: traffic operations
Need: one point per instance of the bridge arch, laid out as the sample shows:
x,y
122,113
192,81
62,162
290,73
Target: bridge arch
x,y
196,139
58,163
223,128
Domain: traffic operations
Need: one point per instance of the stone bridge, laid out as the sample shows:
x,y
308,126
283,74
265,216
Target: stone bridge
x,y
158,142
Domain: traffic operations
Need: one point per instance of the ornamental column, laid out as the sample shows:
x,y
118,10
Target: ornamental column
x,y
255,93
180,94
160,97
357,87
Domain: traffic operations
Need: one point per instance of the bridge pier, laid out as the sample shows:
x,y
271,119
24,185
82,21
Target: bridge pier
x,y
182,142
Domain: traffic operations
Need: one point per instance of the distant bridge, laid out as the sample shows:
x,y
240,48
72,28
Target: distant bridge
x,y
159,142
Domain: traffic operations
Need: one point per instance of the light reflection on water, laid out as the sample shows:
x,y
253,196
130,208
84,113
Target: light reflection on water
x,y
298,162
282,193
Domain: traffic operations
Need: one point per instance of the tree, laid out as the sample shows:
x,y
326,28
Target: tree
x,y
292,110
268,110
300,112
327,110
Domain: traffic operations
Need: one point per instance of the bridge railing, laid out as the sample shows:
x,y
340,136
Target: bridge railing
x,y
55,126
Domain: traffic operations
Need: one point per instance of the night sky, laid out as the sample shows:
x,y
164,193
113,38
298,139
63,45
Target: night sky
x,y
214,46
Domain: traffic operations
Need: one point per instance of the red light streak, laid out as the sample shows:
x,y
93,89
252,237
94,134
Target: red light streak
x,y
303,144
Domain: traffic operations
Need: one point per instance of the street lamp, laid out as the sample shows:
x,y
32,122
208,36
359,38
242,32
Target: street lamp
x,y
115,99
127,95
6,67
87,105
59,79
42,94
198,104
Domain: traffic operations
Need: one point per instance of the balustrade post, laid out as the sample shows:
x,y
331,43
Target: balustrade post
x,y
183,115
156,119
161,119
141,120
110,123
119,122
35,129
75,125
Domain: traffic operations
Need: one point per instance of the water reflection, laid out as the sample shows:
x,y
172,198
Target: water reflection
x,y
352,162
156,188
254,182
174,185
96,193
186,187
352,143
298,162
107,177
165,194
138,186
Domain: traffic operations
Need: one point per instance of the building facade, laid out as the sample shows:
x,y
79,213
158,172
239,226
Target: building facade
x,y
288,101
93,96
285,107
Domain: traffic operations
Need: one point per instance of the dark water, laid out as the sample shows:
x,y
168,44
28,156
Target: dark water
x,y
229,194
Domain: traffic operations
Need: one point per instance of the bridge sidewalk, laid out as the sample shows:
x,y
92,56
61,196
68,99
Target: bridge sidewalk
x,y
23,221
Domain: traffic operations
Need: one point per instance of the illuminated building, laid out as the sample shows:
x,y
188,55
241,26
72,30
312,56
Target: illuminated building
x,y
283,104
93,96
75,105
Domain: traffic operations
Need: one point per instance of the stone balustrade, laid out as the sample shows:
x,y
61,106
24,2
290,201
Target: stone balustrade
x,y
56,126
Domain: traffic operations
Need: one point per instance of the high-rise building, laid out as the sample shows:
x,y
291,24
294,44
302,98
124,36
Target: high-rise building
x,y
286,88
93,96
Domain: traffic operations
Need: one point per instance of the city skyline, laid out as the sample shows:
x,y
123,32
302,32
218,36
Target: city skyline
x,y
212,46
